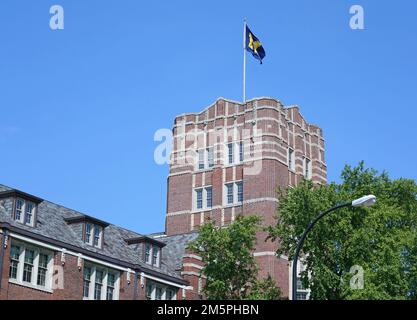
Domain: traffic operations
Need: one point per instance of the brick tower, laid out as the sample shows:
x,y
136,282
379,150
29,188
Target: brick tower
x,y
229,159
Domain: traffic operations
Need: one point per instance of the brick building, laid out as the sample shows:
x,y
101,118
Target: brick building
x,y
51,252
228,160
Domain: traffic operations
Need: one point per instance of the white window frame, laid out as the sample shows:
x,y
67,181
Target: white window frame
x,y
235,192
203,190
241,151
100,236
206,191
153,285
22,219
230,153
158,256
106,271
201,159
227,193
34,279
210,157
148,260
291,159
198,192
151,255
91,240
307,168
236,157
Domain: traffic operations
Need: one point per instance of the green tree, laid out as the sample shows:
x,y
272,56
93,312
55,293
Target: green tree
x,y
229,265
382,240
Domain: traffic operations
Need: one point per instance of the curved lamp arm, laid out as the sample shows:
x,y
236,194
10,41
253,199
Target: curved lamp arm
x,y
365,201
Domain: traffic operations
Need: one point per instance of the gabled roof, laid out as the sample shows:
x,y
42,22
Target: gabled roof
x,y
86,218
142,239
20,194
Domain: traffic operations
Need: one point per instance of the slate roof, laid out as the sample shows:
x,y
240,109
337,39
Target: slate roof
x,y
51,224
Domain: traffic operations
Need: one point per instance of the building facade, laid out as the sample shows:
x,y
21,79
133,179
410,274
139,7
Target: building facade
x,y
50,252
229,159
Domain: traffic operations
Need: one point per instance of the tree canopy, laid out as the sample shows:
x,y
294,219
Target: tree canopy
x,y
230,268
380,240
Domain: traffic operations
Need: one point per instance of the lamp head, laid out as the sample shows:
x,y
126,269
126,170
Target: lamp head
x,y
365,201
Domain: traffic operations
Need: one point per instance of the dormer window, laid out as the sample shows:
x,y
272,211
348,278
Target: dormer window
x,y
93,234
97,236
19,210
30,207
151,249
148,249
24,212
155,256
87,237
24,207
92,229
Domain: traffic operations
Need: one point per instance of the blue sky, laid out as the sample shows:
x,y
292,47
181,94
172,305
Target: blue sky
x,y
79,106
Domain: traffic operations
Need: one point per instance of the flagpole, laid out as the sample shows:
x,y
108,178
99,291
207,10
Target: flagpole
x,y
244,60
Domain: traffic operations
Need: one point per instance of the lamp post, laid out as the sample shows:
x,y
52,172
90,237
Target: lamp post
x,y
365,201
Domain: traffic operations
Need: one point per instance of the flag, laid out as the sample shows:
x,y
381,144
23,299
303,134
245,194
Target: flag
x,y
254,46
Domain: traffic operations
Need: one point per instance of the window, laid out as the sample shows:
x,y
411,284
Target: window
x,y
93,235
29,212
24,212
229,193
19,210
291,161
301,295
100,283
30,266
152,254
87,281
239,191
157,291
111,279
155,256
234,193
307,168
14,261
148,253
237,148
42,269
97,233
241,151
203,198
300,284
88,227
149,290
209,197
210,157
199,198
169,294
200,159
230,153
205,158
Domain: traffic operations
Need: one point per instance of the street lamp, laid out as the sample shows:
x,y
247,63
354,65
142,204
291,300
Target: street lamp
x,y
365,201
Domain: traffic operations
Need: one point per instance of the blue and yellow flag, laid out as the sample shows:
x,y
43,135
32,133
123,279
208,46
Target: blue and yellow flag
x,y
254,46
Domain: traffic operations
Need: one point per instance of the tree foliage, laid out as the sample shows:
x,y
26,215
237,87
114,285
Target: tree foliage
x,y
382,239
229,265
